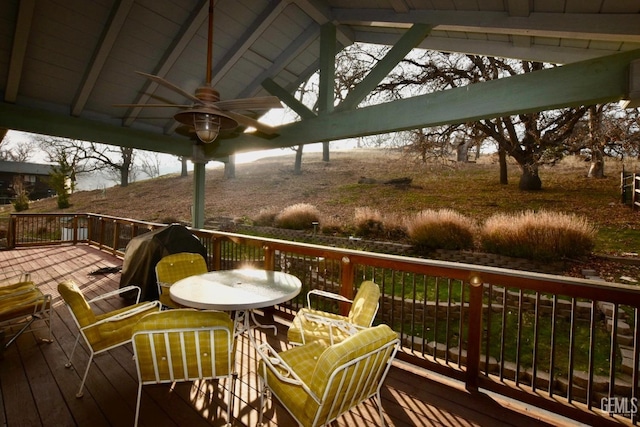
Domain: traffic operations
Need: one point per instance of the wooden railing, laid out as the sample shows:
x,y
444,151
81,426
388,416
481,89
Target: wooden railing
x,y
564,344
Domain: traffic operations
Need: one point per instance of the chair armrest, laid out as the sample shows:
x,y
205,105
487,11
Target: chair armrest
x,y
117,292
325,294
346,327
278,366
125,314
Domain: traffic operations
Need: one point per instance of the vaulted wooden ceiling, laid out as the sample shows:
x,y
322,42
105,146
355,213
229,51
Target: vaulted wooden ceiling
x,y
65,63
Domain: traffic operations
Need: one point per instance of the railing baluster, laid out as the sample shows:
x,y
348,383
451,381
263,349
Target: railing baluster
x,y
552,358
572,343
536,329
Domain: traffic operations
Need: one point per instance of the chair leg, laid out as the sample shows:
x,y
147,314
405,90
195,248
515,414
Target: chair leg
x,y
84,378
379,403
135,422
73,350
263,393
230,397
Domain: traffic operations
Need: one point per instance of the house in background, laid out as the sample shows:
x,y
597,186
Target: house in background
x,y
33,177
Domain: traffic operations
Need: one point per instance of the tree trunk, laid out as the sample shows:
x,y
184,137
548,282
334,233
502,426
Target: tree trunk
x,y
529,180
183,171
462,152
297,167
596,169
325,151
125,169
230,167
502,159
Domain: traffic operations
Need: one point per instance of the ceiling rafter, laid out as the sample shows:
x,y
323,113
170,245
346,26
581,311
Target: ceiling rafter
x,y
114,25
300,44
244,43
19,48
187,32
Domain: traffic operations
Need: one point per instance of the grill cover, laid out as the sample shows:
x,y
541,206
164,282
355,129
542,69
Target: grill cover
x,y
143,253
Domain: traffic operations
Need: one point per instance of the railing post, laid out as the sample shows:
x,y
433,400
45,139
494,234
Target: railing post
x,y
346,288
474,338
116,236
216,256
269,258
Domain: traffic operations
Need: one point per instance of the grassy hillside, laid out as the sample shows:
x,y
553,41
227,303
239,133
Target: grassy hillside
x,y
336,188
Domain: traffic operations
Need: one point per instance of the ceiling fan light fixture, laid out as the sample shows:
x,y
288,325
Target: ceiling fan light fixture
x,y
207,126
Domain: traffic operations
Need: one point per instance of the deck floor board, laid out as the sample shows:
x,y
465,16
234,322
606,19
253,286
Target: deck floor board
x,y
36,389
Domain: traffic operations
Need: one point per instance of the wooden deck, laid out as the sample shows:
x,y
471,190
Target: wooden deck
x,y
37,390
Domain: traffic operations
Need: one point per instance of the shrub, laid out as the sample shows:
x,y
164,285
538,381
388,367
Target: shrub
x,y
368,222
441,229
538,235
298,217
21,202
266,217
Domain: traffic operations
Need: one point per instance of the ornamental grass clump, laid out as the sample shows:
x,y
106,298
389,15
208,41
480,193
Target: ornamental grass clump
x,y
539,235
300,216
368,222
441,229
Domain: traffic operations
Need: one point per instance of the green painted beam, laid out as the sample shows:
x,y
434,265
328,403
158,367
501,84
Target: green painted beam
x,y
582,83
409,40
326,93
285,96
197,210
48,123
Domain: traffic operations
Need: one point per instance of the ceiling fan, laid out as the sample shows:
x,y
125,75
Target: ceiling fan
x,y
207,114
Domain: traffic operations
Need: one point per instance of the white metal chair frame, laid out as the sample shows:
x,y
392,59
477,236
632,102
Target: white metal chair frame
x,y
344,326
164,338
114,318
285,373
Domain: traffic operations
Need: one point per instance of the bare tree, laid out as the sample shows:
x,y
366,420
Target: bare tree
x,y
16,152
150,164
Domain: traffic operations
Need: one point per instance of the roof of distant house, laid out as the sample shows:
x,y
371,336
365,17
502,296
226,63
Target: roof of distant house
x,y
24,168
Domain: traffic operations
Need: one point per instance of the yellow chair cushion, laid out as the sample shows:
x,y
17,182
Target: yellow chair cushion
x,y
15,287
362,312
314,331
315,362
303,359
172,366
23,303
174,267
106,334
365,304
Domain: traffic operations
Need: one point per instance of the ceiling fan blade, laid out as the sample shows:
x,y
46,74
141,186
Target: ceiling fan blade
x,y
249,122
169,85
151,105
257,103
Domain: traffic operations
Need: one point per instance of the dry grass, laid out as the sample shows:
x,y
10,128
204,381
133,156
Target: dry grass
x,y
441,229
538,235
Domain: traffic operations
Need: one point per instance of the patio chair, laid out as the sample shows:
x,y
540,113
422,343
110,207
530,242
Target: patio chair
x,y
102,332
310,324
317,383
184,345
21,304
174,267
